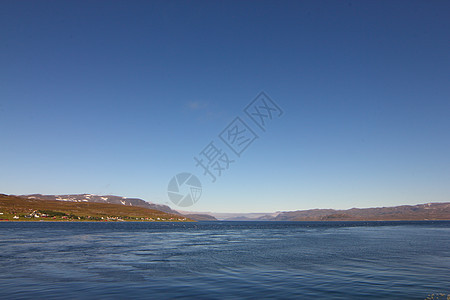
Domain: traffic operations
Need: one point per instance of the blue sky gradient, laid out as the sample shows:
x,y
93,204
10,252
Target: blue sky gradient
x,y
116,97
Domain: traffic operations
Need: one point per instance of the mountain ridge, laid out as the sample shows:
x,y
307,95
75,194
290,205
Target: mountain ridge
x,y
111,199
427,211
14,208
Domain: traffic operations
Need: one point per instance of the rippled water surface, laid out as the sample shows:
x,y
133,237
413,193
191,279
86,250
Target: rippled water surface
x,y
220,260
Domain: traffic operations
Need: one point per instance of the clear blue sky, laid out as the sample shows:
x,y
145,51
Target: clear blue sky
x,y
116,97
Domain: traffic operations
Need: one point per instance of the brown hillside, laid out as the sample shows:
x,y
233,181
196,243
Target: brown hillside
x,y
11,206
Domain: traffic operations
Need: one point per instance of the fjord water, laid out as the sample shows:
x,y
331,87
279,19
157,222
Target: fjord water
x,y
220,260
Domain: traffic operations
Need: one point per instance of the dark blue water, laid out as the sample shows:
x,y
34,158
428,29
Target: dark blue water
x,y
225,260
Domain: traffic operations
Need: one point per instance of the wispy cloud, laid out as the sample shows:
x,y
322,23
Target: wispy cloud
x,y
196,105
205,111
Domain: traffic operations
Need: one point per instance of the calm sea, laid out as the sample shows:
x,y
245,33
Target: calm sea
x,y
225,260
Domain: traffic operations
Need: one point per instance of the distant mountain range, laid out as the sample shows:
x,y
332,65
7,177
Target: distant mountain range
x,y
232,216
90,198
429,211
